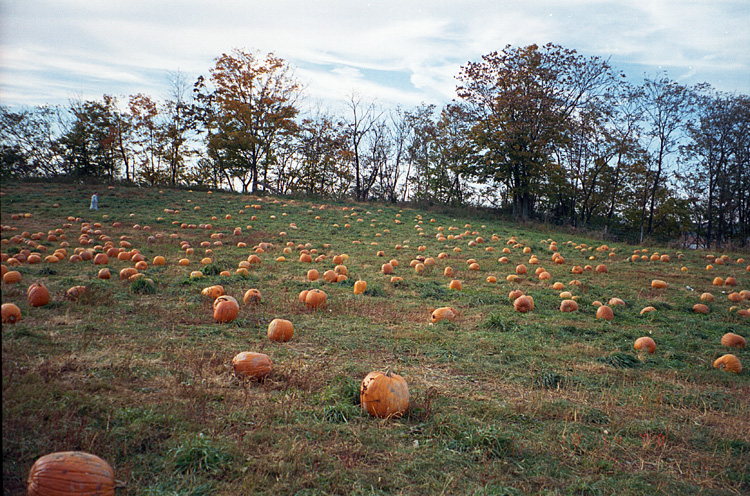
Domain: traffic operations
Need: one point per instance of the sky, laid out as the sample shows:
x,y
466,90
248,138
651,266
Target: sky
x,y
392,52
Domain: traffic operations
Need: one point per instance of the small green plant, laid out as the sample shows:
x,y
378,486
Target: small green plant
x,y
200,454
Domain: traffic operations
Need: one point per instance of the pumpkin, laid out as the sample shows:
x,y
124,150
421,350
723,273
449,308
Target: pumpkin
x,y
455,284
558,286
730,281
384,395
707,297
101,259
386,268
75,292
577,270
718,281
104,274
12,277
360,287
605,312
700,308
37,295
491,279
566,295
316,298
251,365
448,271
70,473
733,340
312,275
128,272
280,330
305,258
159,260
252,297
648,309
523,304
10,313
645,343
728,363
568,306
734,296
226,309
521,269
443,313
515,294
616,301
213,292
396,280
658,284
601,268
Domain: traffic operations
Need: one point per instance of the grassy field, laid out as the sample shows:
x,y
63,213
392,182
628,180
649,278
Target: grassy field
x,y
502,402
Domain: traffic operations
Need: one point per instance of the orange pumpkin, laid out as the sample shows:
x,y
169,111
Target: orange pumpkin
x,y
733,340
729,363
443,313
316,298
312,275
280,330
455,284
568,306
386,268
12,277
707,297
213,292
360,287
104,274
700,308
37,295
521,269
75,292
68,473
384,395
101,259
605,312
648,309
523,304
658,284
251,365
616,301
10,313
645,343
252,297
226,309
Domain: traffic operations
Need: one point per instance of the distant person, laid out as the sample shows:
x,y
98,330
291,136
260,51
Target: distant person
x,y
94,202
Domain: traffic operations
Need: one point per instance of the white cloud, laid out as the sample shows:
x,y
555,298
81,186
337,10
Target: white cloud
x,y
398,51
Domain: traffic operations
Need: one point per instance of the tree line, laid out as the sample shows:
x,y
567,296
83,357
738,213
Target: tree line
x,y
539,132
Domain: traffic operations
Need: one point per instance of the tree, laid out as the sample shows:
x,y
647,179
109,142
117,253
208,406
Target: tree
x,y
28,142
362,123
523,100
89,145
667,106
253,101
178,125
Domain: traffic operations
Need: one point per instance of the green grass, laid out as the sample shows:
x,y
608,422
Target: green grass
x,y
502,403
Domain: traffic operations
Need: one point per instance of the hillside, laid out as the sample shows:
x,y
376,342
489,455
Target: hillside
x,y
501,402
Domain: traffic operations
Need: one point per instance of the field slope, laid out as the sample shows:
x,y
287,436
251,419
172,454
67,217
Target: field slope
x,y
139,373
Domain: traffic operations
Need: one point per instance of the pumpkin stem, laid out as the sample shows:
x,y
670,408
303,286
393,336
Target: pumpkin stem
x,y
387,372
120,484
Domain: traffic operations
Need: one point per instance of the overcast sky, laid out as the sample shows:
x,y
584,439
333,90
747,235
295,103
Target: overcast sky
x,y
397,52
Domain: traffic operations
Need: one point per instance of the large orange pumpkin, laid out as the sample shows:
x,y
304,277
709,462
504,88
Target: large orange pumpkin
x,y
12,277
226,309
316,298
604,312
252,297
443,313
37,295
360,287
700,308
68,473
733,340
251,365
645,343
384,395
10,313
523,304
280,330
568,306
729,363
213,292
